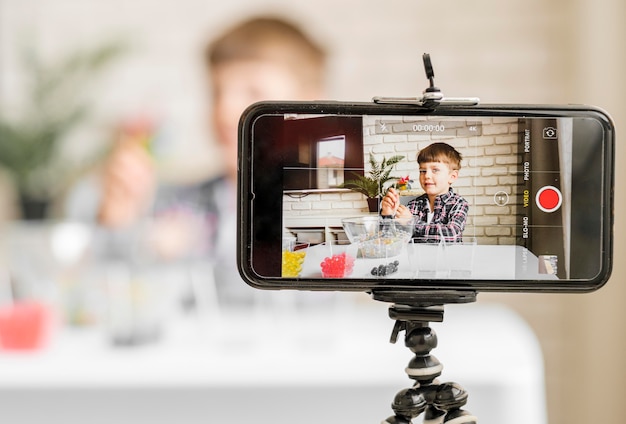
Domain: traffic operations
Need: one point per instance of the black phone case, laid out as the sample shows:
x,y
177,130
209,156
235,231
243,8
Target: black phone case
x,y
255,251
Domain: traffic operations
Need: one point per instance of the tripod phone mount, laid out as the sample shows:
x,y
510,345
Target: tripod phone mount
x,y
432,97
414,310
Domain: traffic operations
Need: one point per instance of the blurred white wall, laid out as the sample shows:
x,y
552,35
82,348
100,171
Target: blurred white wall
x,y
527,51
518,52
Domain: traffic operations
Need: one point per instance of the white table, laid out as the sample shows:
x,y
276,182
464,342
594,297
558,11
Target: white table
x,y
280,362
422,260
275,366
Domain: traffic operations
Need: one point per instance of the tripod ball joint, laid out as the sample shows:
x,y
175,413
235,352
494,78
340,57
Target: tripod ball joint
x,y
421,340
409,403
451,397
424,369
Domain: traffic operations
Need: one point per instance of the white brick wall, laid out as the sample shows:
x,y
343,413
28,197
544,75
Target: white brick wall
x,y
345,203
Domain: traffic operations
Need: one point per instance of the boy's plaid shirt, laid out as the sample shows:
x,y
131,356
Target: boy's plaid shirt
x,y
449,217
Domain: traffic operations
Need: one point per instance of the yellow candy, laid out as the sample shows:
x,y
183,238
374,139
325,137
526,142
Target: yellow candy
x,y
292,263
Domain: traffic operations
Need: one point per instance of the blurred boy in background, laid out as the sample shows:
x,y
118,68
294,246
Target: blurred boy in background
x,y
259,59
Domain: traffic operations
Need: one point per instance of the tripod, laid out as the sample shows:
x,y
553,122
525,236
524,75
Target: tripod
x,y
439,402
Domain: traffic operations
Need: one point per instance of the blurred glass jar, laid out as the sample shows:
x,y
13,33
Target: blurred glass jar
x,y
44,268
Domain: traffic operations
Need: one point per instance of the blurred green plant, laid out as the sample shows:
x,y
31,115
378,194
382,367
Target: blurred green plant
x,y
55,102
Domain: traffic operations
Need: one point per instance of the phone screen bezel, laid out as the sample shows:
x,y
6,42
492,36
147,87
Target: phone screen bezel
x,y
254,249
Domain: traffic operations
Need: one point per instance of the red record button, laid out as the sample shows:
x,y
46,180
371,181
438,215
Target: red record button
x,y
549,199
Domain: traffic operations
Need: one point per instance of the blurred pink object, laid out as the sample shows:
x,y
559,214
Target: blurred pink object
x,y
24,325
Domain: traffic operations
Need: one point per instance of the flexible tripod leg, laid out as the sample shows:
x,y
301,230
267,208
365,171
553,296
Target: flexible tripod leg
x,y
440,403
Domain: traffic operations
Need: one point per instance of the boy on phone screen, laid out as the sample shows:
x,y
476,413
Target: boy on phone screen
x,y
440,213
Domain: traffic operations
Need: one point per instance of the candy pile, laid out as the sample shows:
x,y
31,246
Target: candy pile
x,y
383,270
292,263
337,266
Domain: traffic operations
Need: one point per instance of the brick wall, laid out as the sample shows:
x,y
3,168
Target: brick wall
x,y
348,202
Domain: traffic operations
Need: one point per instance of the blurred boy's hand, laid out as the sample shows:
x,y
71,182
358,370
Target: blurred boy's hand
x,y
128,184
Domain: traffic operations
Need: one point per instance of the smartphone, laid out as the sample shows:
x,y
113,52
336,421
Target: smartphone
x,y
536,183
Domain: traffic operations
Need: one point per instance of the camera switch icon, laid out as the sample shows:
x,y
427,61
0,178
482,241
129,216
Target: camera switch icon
x,y
549,133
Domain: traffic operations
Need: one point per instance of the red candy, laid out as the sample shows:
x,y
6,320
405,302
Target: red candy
x,y
337,266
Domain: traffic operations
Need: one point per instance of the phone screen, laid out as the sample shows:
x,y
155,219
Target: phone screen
x,y
525,206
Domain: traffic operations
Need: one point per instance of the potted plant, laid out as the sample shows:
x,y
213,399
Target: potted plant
x,y
372,185
53,104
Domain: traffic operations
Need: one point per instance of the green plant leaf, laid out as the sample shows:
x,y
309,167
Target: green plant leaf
x,y
373,185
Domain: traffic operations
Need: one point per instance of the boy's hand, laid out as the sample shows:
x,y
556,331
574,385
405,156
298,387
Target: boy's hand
x,y
128,184
403,212
390,203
